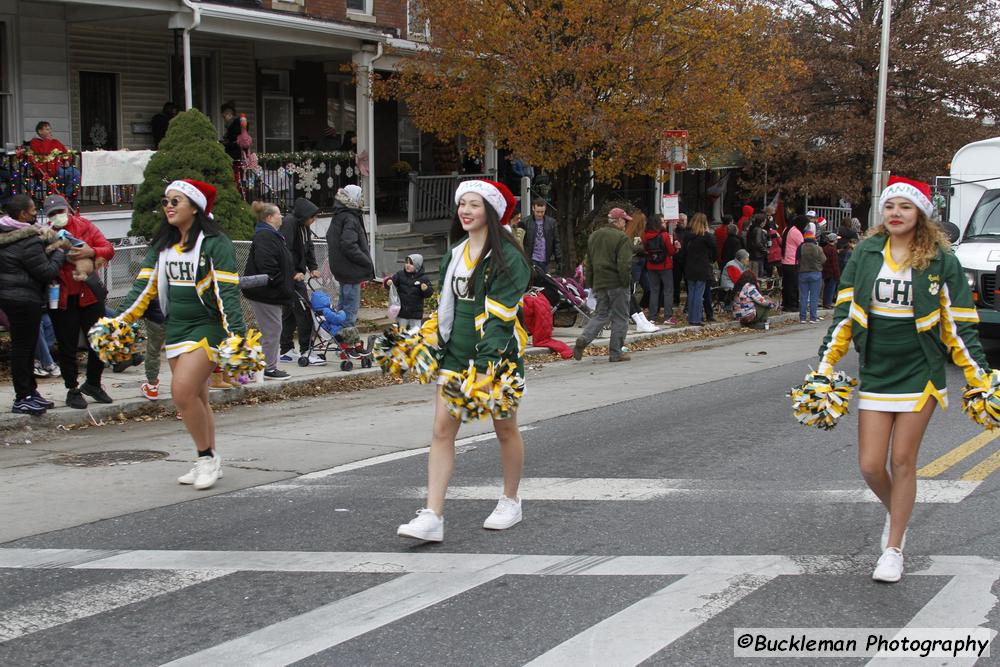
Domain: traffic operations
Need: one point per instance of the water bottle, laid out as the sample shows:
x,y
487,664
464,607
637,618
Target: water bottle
x,y
54,296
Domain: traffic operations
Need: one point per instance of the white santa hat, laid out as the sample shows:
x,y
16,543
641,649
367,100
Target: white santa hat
x,y
916,192
495,194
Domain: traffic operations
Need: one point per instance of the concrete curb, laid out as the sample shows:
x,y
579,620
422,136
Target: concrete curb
x,y
11,424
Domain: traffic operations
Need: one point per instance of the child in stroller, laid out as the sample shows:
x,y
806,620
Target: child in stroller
x,y
330,334
567,296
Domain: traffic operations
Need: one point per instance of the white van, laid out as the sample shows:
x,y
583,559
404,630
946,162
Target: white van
x,y
974,208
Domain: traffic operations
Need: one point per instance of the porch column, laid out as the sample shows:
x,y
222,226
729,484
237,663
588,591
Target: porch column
x,y
490,158
366,141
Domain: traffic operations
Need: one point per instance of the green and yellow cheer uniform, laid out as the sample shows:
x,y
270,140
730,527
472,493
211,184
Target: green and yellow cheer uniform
x,y
482,323
904,323
198,292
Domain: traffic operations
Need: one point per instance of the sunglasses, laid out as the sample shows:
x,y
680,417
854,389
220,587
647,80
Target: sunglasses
x,y
173,201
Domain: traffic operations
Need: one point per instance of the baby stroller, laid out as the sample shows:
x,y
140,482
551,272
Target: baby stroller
x,y
330,334
567,296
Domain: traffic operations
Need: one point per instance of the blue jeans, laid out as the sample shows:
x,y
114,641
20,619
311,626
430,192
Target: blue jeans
x,y
46,339
350,300
696,300
809,289
830,291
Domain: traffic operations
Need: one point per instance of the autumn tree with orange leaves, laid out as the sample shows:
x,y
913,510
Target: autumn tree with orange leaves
x,y
581,85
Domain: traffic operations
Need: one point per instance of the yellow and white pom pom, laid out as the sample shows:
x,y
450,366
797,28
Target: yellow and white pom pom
x,y
113,339
473,395
241,354
821,400
982,401
397,352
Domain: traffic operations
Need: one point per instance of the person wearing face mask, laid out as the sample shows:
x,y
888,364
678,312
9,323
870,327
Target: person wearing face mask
x,y
81,304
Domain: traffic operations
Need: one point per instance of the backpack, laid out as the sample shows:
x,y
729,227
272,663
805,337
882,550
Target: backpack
x,y
656,250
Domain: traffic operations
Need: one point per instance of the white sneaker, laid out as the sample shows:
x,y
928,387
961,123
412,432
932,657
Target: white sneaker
x,y
315,360
191,476
506,514
643,325
427,526
884,543
890,566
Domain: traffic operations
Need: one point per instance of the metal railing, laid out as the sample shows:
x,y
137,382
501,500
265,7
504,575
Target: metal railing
x,y
834,215
283,177
433,197
21,173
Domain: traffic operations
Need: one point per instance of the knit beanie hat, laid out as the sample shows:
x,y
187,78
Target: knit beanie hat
x,y
916,192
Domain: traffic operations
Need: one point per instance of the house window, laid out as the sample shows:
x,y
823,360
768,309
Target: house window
x,y
417,26
359,6
278,123
341,105
8,130
289,5
99,111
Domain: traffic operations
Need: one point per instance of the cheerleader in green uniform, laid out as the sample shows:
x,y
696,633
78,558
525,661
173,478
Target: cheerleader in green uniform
x,y
191,270
483,279
905,302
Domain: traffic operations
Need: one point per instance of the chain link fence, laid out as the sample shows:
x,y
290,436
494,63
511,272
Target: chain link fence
x,y
119,274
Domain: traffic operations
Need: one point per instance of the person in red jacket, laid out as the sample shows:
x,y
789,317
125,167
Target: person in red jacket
x,y
79,306
54,167
745,218
660,249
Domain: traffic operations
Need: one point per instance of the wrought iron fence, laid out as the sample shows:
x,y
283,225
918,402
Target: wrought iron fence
x,y
21,172
834,215
433,197
280,178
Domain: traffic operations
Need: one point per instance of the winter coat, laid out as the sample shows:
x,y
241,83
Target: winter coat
x,y
550,229
410,288
87,232
609,259
831,267
270,255
229,140
668,243
25,268
811,257
745,218
757,243
298,237
729,248
774,252
700,258
538,322
944,315
793,239
350,258
730,273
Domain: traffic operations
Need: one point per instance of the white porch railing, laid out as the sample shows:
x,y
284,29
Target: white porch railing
x,y
433,197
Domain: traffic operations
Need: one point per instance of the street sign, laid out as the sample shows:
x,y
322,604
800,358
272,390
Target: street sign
x,y
671,207
674,150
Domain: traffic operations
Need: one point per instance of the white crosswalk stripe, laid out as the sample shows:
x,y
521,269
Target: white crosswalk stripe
x,y
708,586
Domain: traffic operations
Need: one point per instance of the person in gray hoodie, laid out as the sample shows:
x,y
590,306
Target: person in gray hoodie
x,y
295,314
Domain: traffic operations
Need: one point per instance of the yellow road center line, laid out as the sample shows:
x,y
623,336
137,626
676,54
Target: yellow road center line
x,y
983,469
959,453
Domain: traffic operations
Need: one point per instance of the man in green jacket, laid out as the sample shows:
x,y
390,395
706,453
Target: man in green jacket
x,y
609,275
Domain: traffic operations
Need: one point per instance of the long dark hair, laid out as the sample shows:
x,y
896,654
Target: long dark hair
x,y
496,236
168,235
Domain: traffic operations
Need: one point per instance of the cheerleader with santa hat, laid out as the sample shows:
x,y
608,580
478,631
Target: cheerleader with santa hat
x,y
480,334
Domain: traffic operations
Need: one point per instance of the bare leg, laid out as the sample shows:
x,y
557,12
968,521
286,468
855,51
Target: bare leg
x,y
874,431
441,461
511,454
190,393
906,439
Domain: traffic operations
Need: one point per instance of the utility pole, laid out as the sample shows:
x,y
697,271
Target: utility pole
x,y
883,81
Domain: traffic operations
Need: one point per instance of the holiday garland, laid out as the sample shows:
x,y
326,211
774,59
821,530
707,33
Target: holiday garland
x,y
271,159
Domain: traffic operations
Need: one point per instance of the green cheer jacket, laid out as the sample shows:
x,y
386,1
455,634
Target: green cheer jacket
x,y
499,307
217,275
944,314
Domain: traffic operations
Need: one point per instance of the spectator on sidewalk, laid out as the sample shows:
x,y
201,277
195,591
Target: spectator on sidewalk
x,y
731,273
156,334
751,307
350,257
541,236
45,365
681,233
698,271
811,259
731,245
269,255
721,234
757,245
412,286
634,231
609,275
789,263
660,248
831,270
774,248
295,228
27,266
81,304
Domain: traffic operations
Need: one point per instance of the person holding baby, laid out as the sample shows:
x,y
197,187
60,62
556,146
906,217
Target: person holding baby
x,y
81,299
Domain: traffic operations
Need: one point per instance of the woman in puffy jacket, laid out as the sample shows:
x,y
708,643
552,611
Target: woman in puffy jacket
x,y
660,249
27,266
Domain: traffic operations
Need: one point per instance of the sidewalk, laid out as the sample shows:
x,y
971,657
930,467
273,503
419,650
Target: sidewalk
x,y
129,402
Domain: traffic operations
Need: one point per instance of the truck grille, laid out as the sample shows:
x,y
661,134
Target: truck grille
x,y
989,284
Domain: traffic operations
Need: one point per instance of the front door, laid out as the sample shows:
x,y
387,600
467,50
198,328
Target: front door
x,y
99,111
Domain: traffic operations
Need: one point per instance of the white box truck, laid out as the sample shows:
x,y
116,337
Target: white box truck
x,y
974,207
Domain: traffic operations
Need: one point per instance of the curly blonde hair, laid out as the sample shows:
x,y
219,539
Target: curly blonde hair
x,y
928,238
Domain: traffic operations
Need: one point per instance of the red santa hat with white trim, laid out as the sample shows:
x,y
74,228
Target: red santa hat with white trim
x,y
916,192
497,195
202,194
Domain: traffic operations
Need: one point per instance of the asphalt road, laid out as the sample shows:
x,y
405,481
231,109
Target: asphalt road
x,y
661,513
